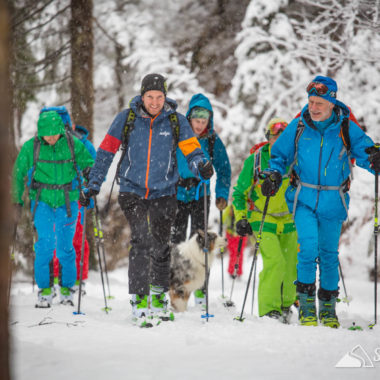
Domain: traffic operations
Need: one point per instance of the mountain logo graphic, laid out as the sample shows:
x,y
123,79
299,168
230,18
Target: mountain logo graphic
x,y
356,358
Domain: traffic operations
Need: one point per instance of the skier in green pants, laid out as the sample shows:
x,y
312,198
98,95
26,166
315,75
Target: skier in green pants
x,y
278,246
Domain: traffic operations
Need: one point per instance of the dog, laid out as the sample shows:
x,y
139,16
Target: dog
x,y
187,267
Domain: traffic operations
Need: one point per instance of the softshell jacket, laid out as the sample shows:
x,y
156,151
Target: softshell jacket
x,y
278,218
220,160
149,166
52,173
321,160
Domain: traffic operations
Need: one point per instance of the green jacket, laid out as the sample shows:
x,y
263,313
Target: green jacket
x,y
248,201
52,173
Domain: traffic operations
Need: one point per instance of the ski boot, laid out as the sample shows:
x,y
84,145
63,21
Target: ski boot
x,y
66,296
286,314
273,314
307,309
140,315
200,298
45,298
327,302
159,304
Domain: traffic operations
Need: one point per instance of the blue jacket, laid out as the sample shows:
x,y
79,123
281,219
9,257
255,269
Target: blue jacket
x,y
321,160
220,161
82,134
149,166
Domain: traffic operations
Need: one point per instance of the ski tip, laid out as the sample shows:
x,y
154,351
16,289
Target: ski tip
x,y
78,313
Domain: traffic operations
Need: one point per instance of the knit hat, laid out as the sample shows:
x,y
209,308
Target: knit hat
x,y
199,113
274,126
49,124
153,82
323,87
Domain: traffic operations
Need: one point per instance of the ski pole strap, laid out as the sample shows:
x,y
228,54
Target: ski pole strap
x,y
202,181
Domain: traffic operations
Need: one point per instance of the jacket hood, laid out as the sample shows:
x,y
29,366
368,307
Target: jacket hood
x,y
49,124
199,100
136,104
81,131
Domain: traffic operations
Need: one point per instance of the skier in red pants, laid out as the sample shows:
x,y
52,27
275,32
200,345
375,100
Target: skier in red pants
x,y
233,241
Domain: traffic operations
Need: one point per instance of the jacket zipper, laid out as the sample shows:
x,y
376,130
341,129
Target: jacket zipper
x,y
148,158
319,173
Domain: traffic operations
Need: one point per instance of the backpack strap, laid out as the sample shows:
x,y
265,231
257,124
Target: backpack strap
x,y
299,131
174,123
345,135
211,144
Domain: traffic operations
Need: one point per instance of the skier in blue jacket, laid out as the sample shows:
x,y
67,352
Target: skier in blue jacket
x,y
148,175
312,145
200,116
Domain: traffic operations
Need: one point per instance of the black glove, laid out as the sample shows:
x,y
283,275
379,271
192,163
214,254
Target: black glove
x,y
220,203
205,169
271,184
243,228
374,157
85,196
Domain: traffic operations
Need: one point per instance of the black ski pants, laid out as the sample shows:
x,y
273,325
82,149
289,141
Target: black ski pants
x,y
150,221
194,209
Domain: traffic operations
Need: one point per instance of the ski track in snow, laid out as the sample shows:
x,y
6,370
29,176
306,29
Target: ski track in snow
x,y
99,346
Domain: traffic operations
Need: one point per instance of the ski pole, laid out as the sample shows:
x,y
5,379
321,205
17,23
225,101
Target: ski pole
x,y
257,244
375,232
221,249
205,249
81,261
229,303
253,287
99,231
346,298
96,233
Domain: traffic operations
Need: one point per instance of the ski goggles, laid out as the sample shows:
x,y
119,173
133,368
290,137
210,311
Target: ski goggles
x,y
320,89
277,128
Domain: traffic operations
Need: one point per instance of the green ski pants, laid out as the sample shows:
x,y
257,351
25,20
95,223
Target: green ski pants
x,y
276,280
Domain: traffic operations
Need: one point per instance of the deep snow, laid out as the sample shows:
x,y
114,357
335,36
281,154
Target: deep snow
x,y
99,346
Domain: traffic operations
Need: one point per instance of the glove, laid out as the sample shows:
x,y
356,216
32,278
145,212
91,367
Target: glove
x,y
205,170
243,228
221,203
374,157
86,195
271,184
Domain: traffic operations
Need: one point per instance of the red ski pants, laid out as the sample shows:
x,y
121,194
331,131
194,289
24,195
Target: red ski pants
x,y
232,246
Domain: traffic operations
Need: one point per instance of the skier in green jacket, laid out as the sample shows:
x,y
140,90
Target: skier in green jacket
x,y
52,161
278,246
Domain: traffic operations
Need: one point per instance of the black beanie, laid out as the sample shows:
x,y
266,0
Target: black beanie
x,y
153,82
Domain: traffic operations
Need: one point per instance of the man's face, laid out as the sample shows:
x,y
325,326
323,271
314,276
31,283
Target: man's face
x,y
51,140
320,109
198,125
153,101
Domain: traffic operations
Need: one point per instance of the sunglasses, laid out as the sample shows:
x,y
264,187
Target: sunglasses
x,y
276,129
320,89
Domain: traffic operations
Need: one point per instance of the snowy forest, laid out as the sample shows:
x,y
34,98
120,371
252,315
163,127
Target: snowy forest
x,y
252,59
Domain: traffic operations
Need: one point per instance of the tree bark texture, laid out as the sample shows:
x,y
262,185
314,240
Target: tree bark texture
x,y
5,165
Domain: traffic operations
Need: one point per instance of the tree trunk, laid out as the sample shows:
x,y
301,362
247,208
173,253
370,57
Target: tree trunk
x,y
82,88
82,49
5,209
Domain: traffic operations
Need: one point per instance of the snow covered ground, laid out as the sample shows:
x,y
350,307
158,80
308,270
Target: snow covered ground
x,y
99,346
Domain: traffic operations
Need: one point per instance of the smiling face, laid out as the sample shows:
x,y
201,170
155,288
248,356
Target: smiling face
x,y
198,125
51,140
320,109
154,101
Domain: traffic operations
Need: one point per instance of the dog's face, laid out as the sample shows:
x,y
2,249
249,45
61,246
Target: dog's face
x,y
214,241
